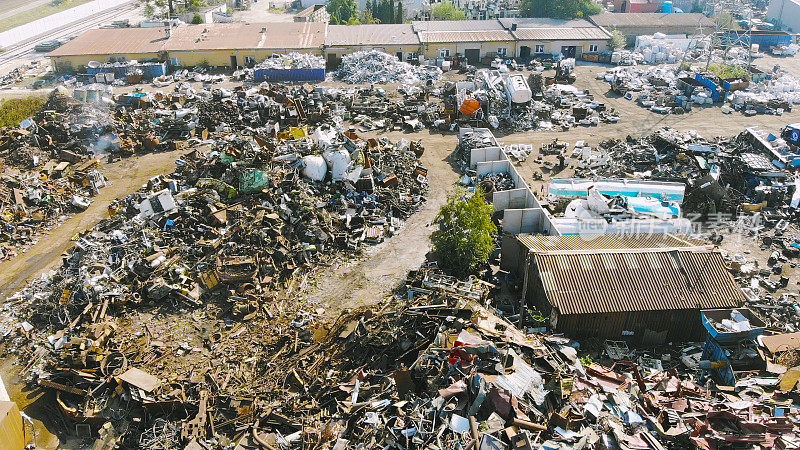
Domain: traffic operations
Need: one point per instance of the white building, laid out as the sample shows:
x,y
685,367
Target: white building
x,y
785,13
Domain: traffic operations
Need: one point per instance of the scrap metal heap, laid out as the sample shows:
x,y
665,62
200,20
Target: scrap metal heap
x,y
169,283
431,368
47,174
373,66
675,90
514,103
724,175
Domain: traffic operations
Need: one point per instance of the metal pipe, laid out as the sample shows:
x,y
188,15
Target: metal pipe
x,y
261,442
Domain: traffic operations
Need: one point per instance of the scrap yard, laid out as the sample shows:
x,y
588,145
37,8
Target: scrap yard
x,y
508,233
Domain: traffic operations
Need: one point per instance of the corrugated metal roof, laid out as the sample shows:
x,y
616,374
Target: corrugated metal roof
x,y
560,33
114,41
438,37
624,282
378,34
599,243
456,25
543,22
614,20
233,36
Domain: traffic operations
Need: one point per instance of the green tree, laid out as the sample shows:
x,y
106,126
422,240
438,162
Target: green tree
x,y
562,9
464,239
398,16
197,19
342,11
617,39
447,11
366,17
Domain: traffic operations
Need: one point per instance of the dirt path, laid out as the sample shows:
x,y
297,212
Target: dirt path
x,y
124,177
371,279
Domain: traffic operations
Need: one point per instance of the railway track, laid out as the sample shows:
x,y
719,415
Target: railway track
x,y
26,47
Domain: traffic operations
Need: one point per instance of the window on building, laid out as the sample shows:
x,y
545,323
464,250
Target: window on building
x,y
502,51
539,48
593,48
444,52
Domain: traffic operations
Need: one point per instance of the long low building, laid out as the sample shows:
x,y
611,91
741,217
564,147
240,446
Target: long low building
x,y
571,38
632,25
244,44
473,39
112,44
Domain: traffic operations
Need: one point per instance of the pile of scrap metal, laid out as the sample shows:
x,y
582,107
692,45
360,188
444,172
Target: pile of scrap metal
x,y
519,104
672,90
723,175
47,175
373,66
432,367
239,223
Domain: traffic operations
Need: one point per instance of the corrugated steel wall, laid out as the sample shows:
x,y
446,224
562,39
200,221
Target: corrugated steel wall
x,y
290,75
680,326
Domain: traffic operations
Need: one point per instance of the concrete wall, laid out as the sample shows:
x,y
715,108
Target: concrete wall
x,y
479,155
785,13
223,57
554,47
527,220
432,50
66,64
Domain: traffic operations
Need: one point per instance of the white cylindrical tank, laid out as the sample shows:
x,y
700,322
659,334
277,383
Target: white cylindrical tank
x,y
518,89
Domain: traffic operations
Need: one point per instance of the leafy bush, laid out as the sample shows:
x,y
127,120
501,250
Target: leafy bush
x,y
15,110
729,72
464,239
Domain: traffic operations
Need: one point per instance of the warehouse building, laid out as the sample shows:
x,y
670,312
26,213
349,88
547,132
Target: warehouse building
x,y
632,25
396,39
242,44
245,44
542,36
785,13
113,44
475,40
649,288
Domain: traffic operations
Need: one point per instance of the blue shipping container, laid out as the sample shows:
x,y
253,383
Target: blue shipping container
x,y
150,71
715,91
764,39
290,74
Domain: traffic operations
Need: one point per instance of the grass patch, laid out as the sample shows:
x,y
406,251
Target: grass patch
x,y
38,12
15,110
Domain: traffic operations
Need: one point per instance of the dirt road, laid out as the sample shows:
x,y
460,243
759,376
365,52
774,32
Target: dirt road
x,y
370,279
124,177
